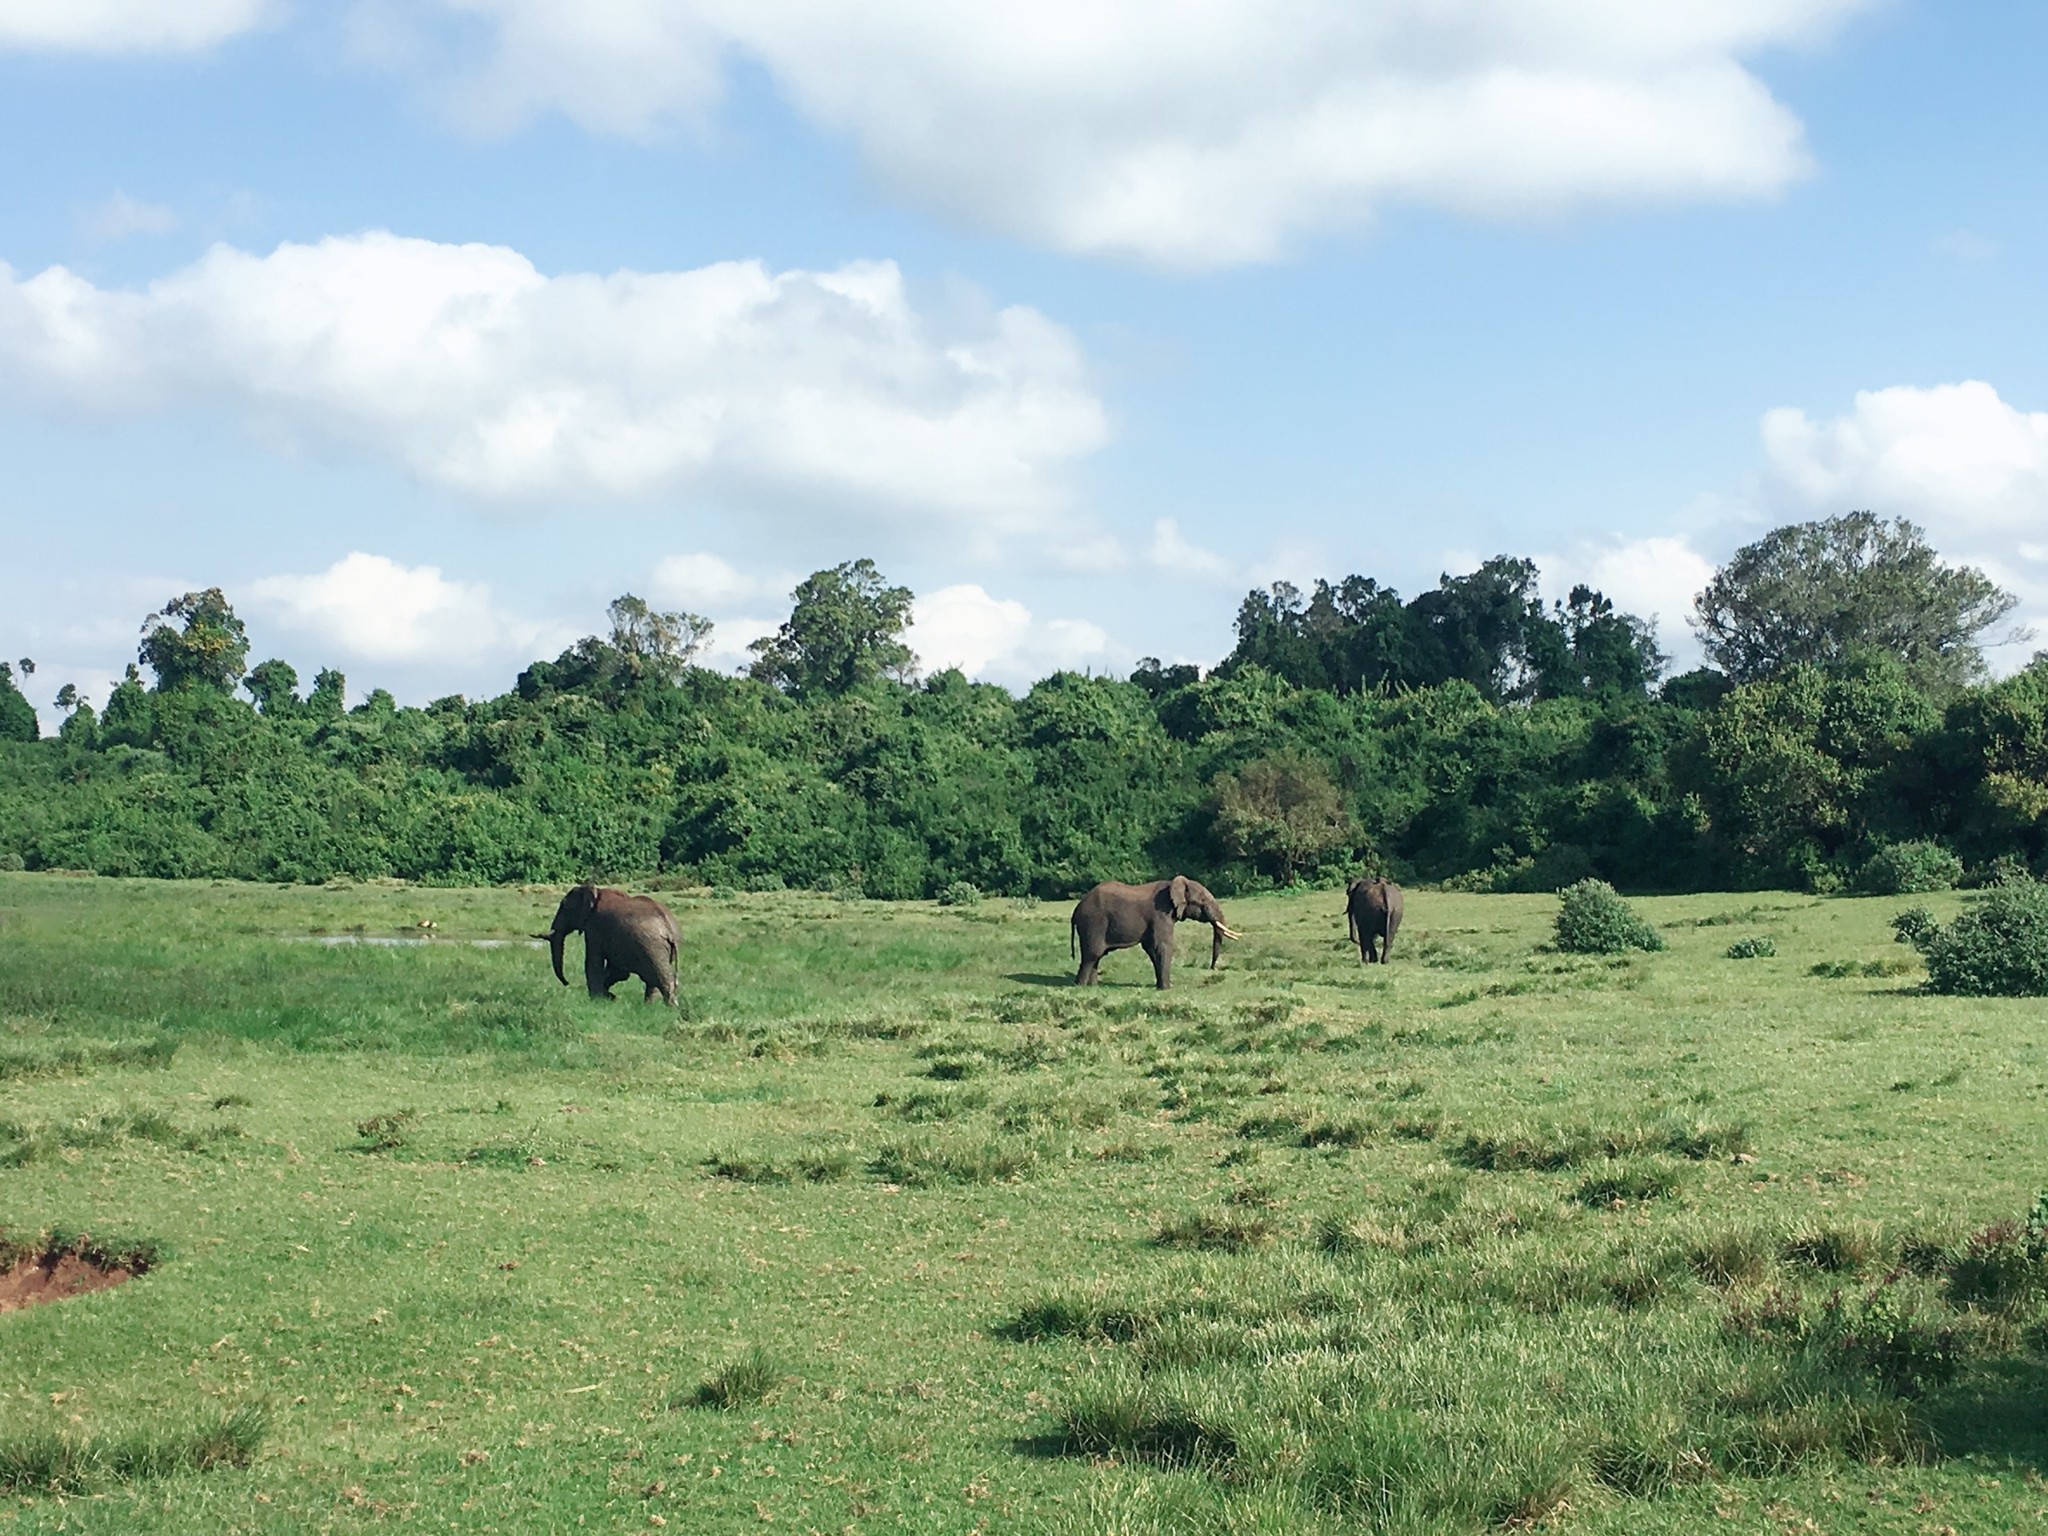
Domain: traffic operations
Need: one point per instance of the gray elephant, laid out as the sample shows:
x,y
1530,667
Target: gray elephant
x,y
1372,907
1116,916
623,936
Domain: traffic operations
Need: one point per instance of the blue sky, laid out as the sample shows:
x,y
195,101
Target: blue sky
x,y
424,330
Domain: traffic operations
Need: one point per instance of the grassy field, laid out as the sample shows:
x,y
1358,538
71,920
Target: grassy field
x,y
889,1227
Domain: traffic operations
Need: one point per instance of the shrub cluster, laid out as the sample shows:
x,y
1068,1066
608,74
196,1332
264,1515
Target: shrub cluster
x,y
1592,919
1906,869
1999,948
1755,947
1915,926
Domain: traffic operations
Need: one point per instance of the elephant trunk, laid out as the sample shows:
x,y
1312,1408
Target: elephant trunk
x,y
555,940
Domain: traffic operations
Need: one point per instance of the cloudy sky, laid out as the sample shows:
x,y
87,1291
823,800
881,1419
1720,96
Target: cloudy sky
x,y
426,327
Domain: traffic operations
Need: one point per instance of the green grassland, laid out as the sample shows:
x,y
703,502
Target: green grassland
x,y
889,1227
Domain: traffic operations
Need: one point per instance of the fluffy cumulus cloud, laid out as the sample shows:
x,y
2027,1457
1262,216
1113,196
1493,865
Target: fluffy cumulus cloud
x,y
370,608
1188,134
1654,578
126,26
998,639
1171,550
476,372
1969,467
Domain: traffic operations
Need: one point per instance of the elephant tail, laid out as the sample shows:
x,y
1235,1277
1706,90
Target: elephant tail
x,y
1073,935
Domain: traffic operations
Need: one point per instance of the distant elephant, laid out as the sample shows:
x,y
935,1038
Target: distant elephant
x,y
622,936
1373,910
1116,916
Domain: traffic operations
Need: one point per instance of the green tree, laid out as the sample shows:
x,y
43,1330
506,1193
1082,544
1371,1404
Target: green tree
x,y
195,640
655,644
1284,813
329,696
274,685
1820,592
130,719
17,715
844,629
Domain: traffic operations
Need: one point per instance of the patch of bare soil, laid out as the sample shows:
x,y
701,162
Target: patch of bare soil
x,y
53,1275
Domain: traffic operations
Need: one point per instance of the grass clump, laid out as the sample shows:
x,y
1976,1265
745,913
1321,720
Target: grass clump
x,y
1834,1250
1755,947
1592,919
60,1463
79,1060
1740,1257
2004,1264
385,1132
1166,1423
921,1164
746,1381
1999,948
1217,1231
1626,1186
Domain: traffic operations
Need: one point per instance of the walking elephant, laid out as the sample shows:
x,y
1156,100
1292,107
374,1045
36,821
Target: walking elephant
x,y
623,936
1373,910
1116,916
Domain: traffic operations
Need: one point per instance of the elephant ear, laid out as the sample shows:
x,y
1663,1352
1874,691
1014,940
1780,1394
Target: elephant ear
x,y
1178,893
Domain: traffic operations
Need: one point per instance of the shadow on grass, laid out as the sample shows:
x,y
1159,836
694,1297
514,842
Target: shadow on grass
x,y
1036,979
2000,1411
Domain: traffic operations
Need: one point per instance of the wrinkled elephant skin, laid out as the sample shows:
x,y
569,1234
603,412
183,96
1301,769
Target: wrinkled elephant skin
x,y
1117,916
1373,910
623,935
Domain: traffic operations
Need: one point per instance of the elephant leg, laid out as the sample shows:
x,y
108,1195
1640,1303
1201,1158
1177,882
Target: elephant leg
x,y
1161,952
597,977
1090,963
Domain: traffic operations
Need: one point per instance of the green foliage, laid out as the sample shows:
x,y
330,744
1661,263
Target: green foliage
x,y
1915,926
1998,948
1592,919
1756,947
1819,593
1284,814
960,893
1906,869
17,715
842,633
195,640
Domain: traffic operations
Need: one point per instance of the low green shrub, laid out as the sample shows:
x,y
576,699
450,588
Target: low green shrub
x,y
961,893
1755,947
1999,948
1592,919
1915,926
1904,869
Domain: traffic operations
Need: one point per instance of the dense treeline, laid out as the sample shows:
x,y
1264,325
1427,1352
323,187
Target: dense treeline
x,y
1466,735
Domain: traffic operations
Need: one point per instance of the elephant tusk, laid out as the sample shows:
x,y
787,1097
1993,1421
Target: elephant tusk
x,y
1229,932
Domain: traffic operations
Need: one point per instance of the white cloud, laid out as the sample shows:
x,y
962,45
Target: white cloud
x,y
127,26
704,583
1654,578
997,639
1171,550
463,364
1955,458
371,608
121,216
1192,135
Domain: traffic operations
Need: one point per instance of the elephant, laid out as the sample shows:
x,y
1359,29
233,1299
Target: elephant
x,y
623,936
1116,916
1373,910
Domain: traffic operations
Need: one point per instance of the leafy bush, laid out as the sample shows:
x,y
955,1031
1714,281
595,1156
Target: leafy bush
x,y
2006,869
1755,947
1904,869
1915,926
1592,919
961,893
1997,949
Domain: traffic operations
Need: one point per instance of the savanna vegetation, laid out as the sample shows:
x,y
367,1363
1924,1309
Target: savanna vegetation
x,y
889,1227
1846,737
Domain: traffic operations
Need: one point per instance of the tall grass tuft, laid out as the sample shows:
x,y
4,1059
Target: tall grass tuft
x,y
746,1381
46,1462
